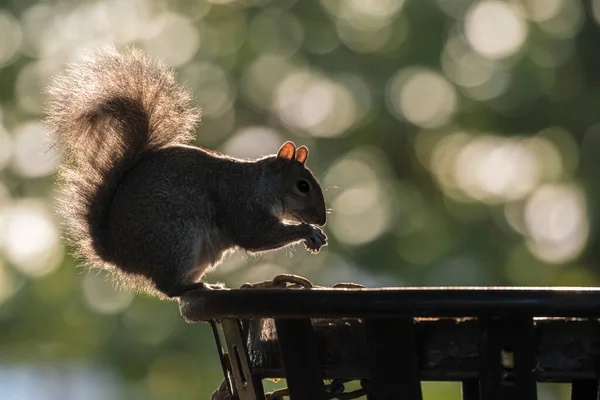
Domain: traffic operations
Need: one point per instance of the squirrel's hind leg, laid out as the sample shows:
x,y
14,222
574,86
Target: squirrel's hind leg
x,y
174,285
177,281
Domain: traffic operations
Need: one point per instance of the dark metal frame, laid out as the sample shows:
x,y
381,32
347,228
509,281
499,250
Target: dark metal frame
x,y
499,342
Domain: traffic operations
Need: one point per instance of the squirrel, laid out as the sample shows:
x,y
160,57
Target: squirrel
x,y
138,200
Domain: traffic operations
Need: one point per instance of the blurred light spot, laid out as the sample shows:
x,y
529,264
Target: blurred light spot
x,y
362,211
482,78
10,32
549,157
492,88
364,41
63,30
357,200
194,10
30,83
464,66
253,142
178,29
368,26
495,29
513,212
35,21
128,21
491,169
364,15
315,104
557,223
563,20
31,238
421,96
380,9
364,219
213,92
558,163
443,159
174,376
101,295
276,32
596,10
30,159
542,10
262,77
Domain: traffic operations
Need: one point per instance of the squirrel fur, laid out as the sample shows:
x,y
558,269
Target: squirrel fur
x,y
139,201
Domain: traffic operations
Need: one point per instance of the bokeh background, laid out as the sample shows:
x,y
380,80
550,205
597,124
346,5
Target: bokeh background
x,y
458,142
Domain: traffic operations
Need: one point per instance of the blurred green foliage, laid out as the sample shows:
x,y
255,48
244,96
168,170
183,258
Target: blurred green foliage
x,y
457,141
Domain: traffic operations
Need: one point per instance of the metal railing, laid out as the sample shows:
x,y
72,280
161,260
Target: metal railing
x,y
498,342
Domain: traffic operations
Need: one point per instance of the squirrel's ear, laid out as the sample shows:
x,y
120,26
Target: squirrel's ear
x,y
302,154
287,152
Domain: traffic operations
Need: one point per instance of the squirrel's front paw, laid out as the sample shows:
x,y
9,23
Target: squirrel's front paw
x,y
315,240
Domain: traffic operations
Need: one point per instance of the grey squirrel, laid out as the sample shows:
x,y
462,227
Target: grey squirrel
x,y
139,201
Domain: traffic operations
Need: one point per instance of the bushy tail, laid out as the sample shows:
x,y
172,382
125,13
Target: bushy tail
x,y
104,113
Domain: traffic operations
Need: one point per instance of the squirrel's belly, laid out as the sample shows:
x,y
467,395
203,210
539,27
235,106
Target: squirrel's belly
x,y
209,250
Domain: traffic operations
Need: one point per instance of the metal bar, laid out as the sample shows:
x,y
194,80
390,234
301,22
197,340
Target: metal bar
x,y
247,386
584,390
298,347
380,303
393,359
470,389
226,376
449,350
508,359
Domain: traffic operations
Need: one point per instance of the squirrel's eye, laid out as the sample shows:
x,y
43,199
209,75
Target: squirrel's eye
x,y
303,186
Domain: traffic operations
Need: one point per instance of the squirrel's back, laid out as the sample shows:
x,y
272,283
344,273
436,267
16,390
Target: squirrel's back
x,y
105,112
